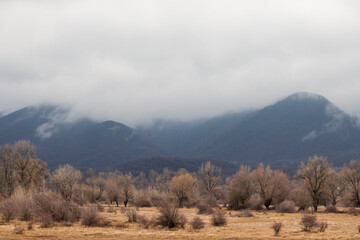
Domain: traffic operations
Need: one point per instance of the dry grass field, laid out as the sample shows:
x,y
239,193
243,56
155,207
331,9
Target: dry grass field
x,y
340,226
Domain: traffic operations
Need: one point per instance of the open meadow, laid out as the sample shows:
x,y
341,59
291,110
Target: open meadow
x,y
340,226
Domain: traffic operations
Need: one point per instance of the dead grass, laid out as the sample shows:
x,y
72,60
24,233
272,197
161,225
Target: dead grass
x,y
340,226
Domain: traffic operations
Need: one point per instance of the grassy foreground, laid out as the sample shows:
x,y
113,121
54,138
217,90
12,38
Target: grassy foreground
x,y
340,226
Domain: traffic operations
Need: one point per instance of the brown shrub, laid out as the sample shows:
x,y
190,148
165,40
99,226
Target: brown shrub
x,y
243,214
143,222
104,223
123,209
100,207
142,199
66,224
156,198
182,220
25,210
254,203
8,210
286,206
75,212
170,217
309,222
212,201
92,218
46,221
191,202
121,225
197,223
78,196
143,203
23,205
111,210
218,218
204,208
276,226
131,214
331,209
43,204
19,229
322,226
353,211
30,225
157,201
58,209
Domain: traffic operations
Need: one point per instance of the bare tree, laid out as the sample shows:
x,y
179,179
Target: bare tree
x,y
95,188
23,153
7,172
314,175
335,186
20,167
272,186
182,187
282,186
65,179
209,179
35,175
351,175
239,188
113,191
126,183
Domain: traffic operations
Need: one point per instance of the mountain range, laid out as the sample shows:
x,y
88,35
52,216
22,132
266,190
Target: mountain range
x,y
282,135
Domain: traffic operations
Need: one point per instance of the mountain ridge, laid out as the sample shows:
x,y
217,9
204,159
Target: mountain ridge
x,y
282,134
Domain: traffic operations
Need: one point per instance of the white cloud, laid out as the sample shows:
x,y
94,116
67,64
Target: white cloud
x,y
132,61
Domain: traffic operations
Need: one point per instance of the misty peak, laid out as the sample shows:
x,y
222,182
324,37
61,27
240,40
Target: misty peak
x,y
112,125
308,102
306,96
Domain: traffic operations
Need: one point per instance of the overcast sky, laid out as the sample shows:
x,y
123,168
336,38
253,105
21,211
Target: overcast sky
x,y
132,61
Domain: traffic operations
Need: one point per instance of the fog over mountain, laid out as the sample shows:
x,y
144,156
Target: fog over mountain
x,y
281,135
135,61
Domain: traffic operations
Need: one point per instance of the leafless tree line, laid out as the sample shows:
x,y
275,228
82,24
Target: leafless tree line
x,y
316,183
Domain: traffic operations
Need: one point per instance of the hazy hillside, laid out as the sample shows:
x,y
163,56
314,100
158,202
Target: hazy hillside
x,y
289,131
281,135
178,138
83,143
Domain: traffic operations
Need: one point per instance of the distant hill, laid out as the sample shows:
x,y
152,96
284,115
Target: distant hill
x,y
178,138
82,143
282,135
288,132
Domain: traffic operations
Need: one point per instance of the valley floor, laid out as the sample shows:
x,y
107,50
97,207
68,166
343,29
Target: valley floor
x,y
340,226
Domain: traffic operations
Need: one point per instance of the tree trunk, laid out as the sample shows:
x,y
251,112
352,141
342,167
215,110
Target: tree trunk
x,y
315,207
357,199
267,204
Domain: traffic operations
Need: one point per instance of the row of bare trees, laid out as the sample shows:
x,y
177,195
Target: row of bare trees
x,y
316,183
